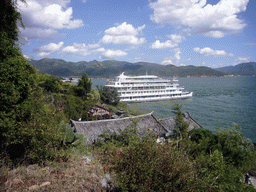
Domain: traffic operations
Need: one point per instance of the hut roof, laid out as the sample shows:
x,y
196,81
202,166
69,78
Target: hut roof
x,y
169,123
92,129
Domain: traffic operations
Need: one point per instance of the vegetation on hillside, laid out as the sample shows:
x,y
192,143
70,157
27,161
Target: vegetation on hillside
x,y
240,69
112,68
32,105
197,161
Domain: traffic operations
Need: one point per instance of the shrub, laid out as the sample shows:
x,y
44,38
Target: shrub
x,y
148,166
69,137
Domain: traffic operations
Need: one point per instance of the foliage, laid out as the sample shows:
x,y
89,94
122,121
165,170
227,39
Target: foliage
x,y
49,83
123,138
217,175
84,86
35,134
74,107
69,137
28,129
207,161
108,96
236,149
9,17
148,166
181,127
94,95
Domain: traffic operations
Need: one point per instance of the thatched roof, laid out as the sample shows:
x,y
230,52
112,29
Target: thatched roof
x,y
92,129
144,123
169,123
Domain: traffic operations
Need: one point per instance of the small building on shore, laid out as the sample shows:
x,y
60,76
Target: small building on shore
x,y
98,112
144,123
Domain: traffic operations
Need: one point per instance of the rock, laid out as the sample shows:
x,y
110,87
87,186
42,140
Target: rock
x,y
13,182
33,167
45,184
104,183
107,176
33,187
86,159
93,175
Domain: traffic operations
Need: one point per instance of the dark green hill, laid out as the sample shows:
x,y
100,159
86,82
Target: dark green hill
x,y
112,68
240,69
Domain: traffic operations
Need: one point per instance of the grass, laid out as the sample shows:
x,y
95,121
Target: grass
x,y
74,175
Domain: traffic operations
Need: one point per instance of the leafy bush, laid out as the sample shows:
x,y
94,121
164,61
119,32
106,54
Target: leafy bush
x,y
69,137
148,166
74,107
217,175
236,149
108,96
84,86
123,138
49,83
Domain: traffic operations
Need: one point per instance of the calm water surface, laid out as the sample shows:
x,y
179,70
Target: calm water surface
x,y
216,102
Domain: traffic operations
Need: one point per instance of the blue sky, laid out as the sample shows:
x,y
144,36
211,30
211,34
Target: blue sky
x,y
212,33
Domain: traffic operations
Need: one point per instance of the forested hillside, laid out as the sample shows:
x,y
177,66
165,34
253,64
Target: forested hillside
x,y
240,69
112,68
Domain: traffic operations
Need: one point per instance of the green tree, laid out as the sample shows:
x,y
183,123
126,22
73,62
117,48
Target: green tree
x,y
84,86
9,16
49,83
94,95
16,78
25,124
108,96
181,127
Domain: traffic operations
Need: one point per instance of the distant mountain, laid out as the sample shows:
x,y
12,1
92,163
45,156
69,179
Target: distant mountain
x,y
240,69
112,68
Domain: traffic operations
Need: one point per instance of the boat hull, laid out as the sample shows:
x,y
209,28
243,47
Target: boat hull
x,y
139,100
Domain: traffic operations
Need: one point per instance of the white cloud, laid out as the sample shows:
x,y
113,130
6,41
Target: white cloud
x,y
47,16
177,54
167,44
175,40
26,56
201,18
126,39
109,53
83,50
242,59
79,49
113,53
166,61
43,54
210,51
139,59
124,33
49,2
173,59
49,49
36,32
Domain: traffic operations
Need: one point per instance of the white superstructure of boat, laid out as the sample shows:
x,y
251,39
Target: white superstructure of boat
x,y
147,88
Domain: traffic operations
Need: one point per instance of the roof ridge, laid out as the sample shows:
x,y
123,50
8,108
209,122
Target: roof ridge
x,y
106,120
158,121
193,119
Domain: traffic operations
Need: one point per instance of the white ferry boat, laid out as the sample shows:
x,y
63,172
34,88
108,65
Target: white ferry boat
x,y
147,88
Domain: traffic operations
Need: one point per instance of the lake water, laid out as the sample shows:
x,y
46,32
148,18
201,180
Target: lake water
x,y
216,102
